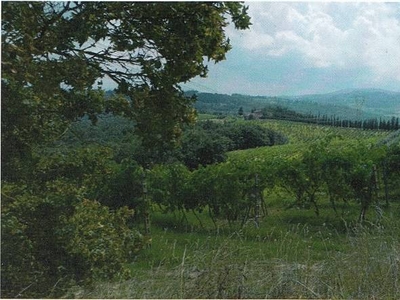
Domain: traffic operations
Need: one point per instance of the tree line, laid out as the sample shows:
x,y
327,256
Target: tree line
x,y
284,113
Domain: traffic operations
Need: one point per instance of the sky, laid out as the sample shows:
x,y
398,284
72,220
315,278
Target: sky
x,y
296,48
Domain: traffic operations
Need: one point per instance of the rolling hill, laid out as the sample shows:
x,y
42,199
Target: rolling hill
x,y
347,104
380,102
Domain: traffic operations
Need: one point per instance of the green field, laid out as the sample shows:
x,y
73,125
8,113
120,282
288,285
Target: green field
x,y
286,252
293,254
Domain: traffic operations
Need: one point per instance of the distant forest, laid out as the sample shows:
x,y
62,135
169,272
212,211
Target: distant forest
x,y
283,113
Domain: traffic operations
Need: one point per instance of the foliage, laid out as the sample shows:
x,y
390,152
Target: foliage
x,y
283,113
124,187
201,147
393,160
202,144
35,255
168,186
55,56
30,220
20,268
341,169
99,242
86,166
249,135
233,136
55,53
336,175
302,133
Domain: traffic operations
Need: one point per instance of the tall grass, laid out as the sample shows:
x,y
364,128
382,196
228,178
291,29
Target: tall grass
x,y
293,262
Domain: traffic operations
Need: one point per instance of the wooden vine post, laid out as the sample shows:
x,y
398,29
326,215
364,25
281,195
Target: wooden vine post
x,y
258,202
146,210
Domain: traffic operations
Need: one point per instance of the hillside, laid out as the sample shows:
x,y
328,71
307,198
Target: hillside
x,y
347,104
381,102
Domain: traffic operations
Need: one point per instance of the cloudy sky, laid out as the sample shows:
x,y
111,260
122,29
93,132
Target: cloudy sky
x,y
297,48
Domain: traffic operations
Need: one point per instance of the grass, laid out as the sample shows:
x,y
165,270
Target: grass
x,y
203,117
293,254
228,269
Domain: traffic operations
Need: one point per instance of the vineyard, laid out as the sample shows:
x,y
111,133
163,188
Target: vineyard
x,y
297,220
305,133
295,212
322,164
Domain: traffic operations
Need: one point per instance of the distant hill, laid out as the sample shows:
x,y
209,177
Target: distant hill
x,y
376,101
228,104
346,104
355,104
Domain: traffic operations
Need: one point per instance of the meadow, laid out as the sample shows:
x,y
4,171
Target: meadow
x,y
285,251
293,254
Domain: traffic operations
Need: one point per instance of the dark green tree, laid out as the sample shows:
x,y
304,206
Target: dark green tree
x,y
56,54
201,147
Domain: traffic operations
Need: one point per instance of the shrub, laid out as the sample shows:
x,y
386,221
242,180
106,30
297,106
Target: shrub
x,y
201,147
100,241
49,233
31,253
19,267
124,187
207,142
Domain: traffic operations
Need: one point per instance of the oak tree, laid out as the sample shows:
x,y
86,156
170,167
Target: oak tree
x,y
56,55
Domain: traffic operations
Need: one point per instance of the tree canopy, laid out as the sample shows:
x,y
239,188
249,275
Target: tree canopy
x,y
55,56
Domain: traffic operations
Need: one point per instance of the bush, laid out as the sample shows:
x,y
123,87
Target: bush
x,y
19,267
99,241
245,135
124,187
52,235
207,142
201,147
31,253
49,242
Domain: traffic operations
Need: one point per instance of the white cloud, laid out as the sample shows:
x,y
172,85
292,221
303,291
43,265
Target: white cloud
x,y
378,34
296,48
322,35
253,40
